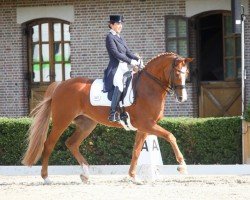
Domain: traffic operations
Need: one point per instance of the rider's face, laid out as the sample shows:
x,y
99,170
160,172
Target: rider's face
x,y
117,27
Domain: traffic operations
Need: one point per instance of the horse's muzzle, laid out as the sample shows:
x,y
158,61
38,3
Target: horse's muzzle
x,y
181,95
180,98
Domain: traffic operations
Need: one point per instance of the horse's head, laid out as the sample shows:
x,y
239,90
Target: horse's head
x,y
169,71
177,77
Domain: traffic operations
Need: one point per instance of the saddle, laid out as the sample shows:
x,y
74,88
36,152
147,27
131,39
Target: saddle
x,y
99,98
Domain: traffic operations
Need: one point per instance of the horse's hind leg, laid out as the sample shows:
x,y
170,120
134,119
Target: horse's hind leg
x,y
58,127
84,126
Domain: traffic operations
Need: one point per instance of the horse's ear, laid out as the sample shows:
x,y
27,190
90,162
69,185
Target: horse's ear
x,y
188,60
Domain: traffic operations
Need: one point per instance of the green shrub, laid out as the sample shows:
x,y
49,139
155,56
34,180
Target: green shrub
x,y
247,113
205,140
202,141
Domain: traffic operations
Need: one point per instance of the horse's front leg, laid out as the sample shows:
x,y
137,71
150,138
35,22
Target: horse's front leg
x,y
139,141
161,132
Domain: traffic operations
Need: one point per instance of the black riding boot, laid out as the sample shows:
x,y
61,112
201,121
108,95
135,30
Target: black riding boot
x,y
115,101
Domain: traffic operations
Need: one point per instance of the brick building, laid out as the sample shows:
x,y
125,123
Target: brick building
x,y
44,41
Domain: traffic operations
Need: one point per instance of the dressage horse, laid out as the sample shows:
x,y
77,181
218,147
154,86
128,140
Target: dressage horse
x,y
69,101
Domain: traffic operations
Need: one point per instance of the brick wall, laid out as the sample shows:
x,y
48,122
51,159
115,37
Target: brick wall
x,y
143,30
13,101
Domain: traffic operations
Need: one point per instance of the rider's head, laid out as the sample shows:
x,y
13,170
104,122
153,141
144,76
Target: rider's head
x,y
115,23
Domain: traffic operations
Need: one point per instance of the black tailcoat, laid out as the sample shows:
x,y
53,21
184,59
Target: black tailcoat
x,y
118,51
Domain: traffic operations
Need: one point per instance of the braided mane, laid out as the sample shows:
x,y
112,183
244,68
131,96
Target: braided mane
x,y
160,55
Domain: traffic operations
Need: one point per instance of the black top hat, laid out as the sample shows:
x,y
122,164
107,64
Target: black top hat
x,y
116,18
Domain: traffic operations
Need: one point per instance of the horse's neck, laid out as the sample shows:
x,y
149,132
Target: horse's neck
x,y
150,91
147,86
155,86
157,68
150,95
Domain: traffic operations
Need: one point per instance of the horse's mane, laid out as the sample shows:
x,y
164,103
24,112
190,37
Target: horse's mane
x,y
160,55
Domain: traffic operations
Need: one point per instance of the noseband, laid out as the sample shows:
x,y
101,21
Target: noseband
x,y
170,88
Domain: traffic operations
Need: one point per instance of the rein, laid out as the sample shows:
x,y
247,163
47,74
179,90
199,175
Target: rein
x,y
158,81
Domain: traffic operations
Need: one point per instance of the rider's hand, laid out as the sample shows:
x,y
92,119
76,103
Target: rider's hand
x,y
134,63
141,65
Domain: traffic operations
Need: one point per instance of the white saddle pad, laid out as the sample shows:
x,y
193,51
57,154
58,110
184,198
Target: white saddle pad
x,y
98,98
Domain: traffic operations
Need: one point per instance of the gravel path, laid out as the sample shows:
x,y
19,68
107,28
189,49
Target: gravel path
x,y
118,187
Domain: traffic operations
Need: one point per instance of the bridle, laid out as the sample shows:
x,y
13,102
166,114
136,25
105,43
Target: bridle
x,y
171,87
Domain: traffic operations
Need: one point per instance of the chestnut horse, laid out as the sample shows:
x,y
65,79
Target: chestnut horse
x,y
69,101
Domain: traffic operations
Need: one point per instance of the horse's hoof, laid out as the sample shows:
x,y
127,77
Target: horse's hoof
x,y
136,180
84,178
85,173
182,170
47,181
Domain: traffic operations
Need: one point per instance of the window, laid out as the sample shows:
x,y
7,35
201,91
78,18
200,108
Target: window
x,y
49,51
176,29
232,51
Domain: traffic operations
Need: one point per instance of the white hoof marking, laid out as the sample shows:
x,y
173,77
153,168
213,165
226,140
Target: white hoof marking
x,y
47,181
136,180
85,173
182,169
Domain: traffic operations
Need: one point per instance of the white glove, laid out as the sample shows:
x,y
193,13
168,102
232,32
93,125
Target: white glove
x,y
141,65
134,63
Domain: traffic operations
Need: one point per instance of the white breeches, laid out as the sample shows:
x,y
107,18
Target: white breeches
x,y
118,78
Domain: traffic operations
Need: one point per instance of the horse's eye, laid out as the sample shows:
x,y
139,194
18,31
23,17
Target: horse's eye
x,y
177,74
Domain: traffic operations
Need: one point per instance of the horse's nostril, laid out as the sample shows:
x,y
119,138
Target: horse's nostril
x,y
180,98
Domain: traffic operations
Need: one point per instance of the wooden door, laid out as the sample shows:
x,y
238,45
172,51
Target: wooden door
x,y
49,56
220,99
219,56
36,95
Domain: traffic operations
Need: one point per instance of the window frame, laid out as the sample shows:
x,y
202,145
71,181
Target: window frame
x,y
51,42
177,38
235,56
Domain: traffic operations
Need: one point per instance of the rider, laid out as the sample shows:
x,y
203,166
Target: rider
x,y
119,58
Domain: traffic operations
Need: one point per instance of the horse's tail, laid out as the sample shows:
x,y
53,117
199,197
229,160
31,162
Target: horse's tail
x,y
37,132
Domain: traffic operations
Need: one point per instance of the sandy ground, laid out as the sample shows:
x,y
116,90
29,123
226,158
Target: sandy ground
x,y
118,187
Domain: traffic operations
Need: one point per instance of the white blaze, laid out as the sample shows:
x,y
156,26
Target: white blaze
x,y
183,82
